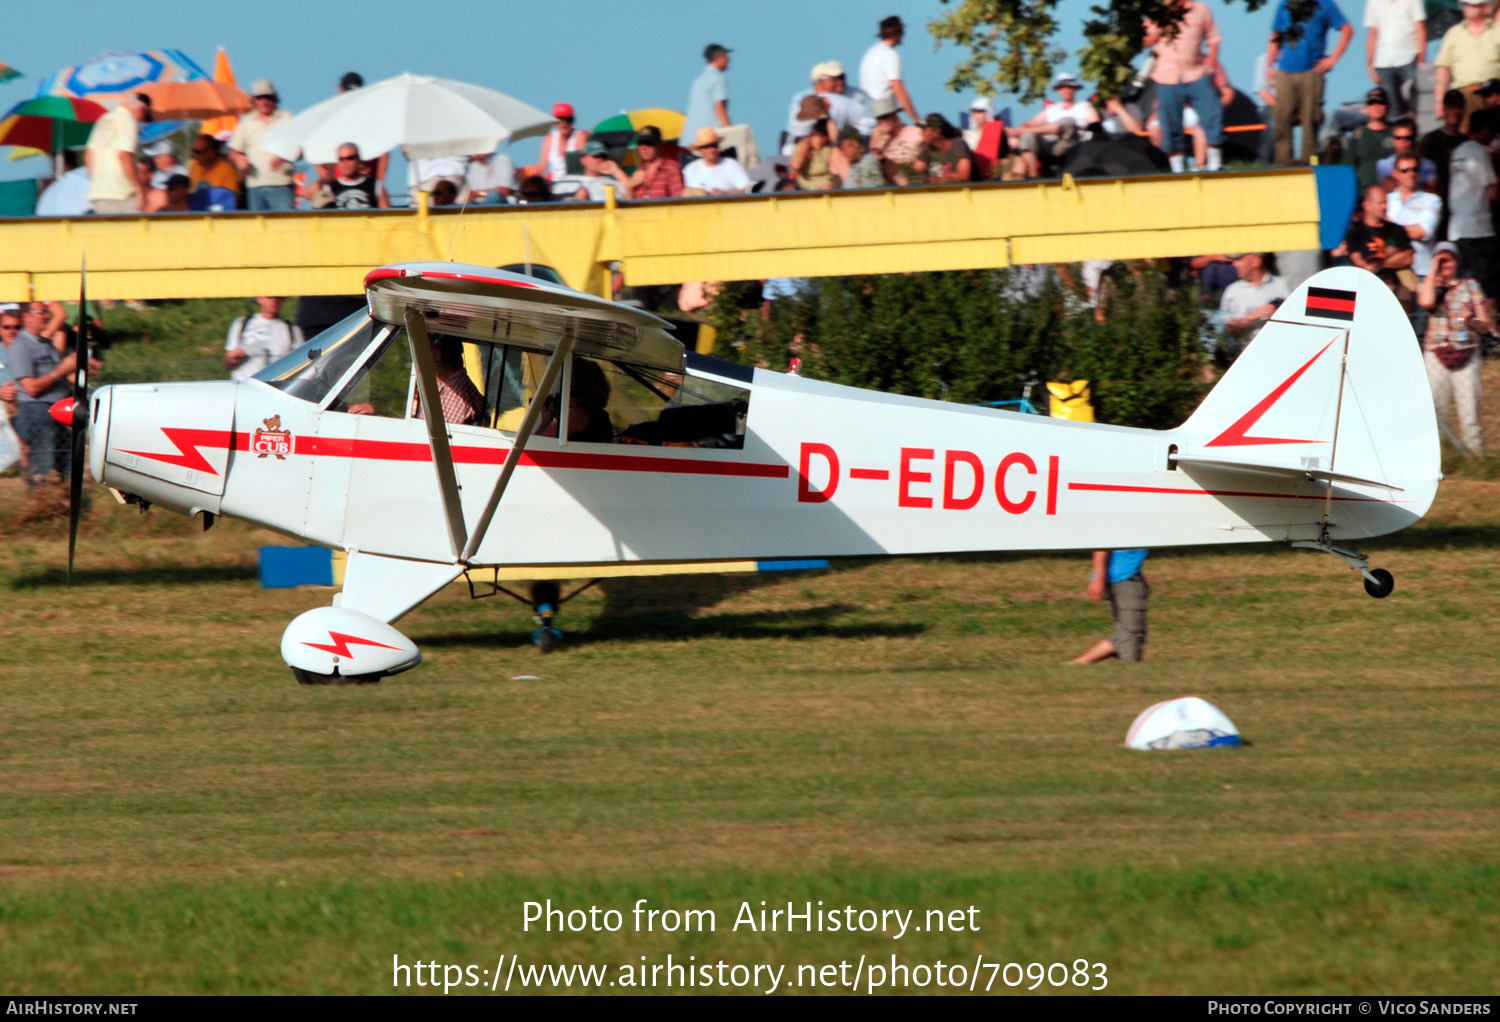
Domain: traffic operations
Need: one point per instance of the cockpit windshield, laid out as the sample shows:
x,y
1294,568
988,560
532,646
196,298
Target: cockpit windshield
x,y
312,370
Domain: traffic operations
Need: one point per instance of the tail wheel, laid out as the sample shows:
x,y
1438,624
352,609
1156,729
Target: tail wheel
x,y
1380,583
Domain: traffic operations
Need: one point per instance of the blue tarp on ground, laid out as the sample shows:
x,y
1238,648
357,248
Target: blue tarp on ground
x,y
284,567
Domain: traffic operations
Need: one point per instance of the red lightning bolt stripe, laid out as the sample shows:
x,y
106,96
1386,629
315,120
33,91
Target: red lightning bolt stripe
x,y
1237,435
341,643
187,442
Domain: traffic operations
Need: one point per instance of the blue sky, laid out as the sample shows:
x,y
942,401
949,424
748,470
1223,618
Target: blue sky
x,y
603,58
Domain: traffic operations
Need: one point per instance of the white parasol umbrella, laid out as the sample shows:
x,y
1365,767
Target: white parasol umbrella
x,y
431,117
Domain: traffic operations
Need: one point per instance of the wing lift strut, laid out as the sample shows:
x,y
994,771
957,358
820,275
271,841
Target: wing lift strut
x,y
546,598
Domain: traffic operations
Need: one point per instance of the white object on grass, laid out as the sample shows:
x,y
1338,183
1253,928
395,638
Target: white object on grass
x,y
1186,723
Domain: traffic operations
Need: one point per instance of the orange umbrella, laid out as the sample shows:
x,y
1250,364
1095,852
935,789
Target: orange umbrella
x,y
222,127
195,100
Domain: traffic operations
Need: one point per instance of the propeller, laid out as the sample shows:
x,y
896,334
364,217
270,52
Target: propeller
x,y
80,416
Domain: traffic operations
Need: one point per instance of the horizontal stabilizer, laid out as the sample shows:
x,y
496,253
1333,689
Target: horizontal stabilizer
x,y
1282,470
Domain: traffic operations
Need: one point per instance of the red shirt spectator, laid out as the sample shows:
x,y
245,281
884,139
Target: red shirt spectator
x,y
657,177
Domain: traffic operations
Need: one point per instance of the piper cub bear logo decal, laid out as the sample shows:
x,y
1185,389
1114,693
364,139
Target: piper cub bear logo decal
x,y
272,439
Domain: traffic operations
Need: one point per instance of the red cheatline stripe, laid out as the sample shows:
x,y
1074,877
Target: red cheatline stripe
x,y
1331,304
188,441
395,450
869,473
1111,488
386,273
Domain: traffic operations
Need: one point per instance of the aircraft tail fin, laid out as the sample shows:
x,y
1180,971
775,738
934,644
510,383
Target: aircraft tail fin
x,y
1334,388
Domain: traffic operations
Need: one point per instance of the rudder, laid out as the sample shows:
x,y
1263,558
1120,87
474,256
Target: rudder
x,y
1293,401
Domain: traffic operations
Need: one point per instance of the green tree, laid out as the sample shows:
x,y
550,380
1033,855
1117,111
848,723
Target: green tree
x,y
1010,49
972,336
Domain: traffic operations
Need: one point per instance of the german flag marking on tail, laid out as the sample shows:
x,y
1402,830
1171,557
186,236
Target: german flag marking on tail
x,y
1326,303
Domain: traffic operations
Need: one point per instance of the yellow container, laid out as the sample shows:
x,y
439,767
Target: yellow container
x,y
1071,401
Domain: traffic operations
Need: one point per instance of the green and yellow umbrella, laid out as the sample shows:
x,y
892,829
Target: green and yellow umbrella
x,y
618,132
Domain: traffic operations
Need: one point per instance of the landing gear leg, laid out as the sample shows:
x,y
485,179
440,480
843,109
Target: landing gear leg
x,y
1379,583
546,598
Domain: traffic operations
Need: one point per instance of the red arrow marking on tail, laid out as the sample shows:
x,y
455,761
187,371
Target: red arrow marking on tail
x,y
341,643
1237,435
187,442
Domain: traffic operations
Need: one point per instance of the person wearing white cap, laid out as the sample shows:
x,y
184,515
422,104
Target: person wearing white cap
x,y
829,85
1459,312
1183,73
164,155
267,177
979,116
1057,128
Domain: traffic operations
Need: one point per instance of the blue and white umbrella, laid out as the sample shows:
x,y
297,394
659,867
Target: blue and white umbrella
x,y
117,73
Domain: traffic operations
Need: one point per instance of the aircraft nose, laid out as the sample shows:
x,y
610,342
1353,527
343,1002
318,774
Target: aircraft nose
x,y
98,428
62,411
166,443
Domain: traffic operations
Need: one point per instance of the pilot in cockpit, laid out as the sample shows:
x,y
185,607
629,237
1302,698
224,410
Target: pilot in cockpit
x,y
588,420
457,396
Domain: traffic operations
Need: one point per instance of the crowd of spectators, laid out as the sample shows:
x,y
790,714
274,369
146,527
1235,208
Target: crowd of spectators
x,y
1424,222
841,133
1425,225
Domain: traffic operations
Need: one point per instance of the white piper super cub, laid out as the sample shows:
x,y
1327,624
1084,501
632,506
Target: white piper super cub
x,y
576,433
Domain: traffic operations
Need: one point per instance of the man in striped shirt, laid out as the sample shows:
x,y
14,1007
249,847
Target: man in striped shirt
x,y
457,395
657,177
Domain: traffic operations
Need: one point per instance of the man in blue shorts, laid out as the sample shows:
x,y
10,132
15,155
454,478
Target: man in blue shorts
x,y
1117,574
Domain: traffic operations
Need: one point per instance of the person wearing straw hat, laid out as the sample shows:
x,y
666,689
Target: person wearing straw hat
x,y
1049,135
713,173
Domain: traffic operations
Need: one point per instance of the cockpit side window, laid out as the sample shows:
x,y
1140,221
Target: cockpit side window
x,y
664,409
313,369
383,384
492,385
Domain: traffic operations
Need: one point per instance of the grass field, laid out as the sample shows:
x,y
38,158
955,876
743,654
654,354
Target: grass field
x,y
176,815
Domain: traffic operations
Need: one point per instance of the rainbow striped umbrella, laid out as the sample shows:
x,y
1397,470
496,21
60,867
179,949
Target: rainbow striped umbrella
x,y
50,123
